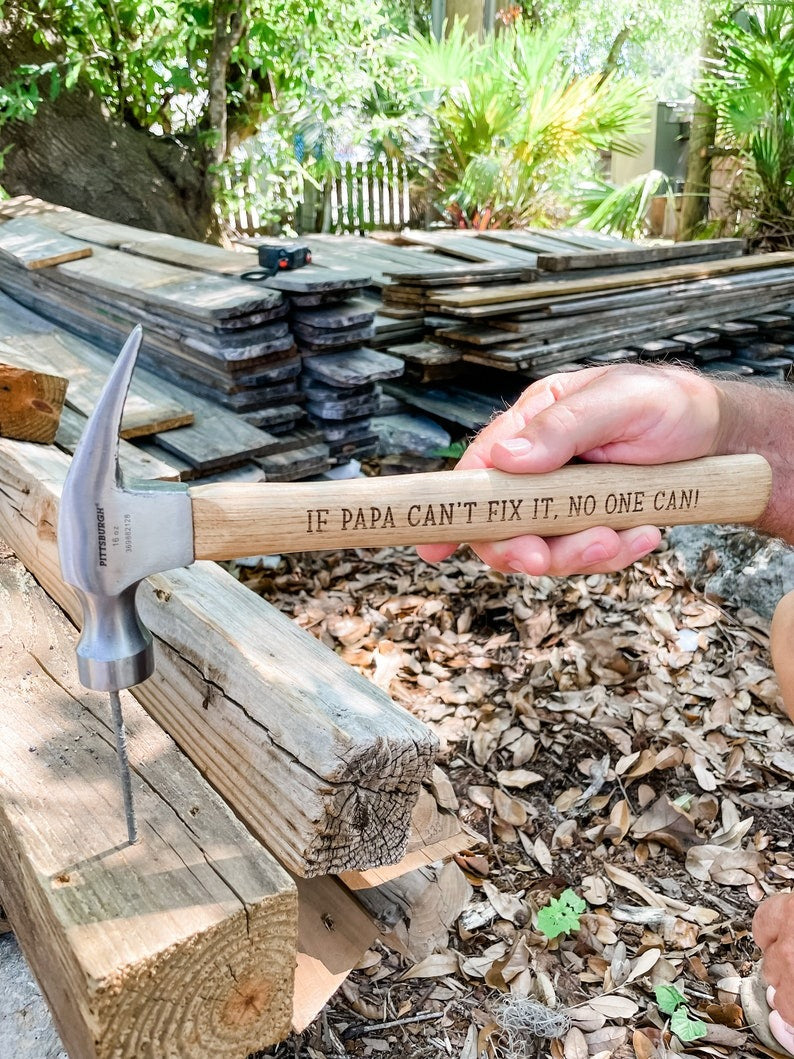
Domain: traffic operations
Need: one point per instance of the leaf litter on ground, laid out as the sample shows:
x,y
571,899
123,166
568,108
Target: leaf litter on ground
x,y
618,737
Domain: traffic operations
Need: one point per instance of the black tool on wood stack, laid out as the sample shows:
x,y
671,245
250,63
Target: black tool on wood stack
x,y
280,257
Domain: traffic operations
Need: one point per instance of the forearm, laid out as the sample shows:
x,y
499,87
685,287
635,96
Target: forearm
x,y
760,419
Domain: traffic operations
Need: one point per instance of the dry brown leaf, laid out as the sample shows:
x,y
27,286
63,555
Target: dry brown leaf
x,y
436,965
518,778
614,1007
509,809
575,1045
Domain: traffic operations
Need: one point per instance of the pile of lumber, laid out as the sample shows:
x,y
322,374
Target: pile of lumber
x,y
176,433
327,778
333,325
536,326
487,340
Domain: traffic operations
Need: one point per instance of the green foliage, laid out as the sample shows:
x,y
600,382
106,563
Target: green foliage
x,y
685,1027
514,129
672,1002
303,69
621,210
561,914
656,43
453,451
668,998
751,88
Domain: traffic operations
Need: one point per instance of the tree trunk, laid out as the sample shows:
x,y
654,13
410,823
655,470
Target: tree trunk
x,y
702,132
74,154
229,26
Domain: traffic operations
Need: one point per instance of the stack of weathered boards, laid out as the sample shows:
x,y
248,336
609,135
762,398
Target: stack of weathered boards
x,y
227,341
333,326
703,302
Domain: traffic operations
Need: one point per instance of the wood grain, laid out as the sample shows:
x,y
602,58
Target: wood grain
x,y
318,762
185,941
238,519
30,403
30,342
32,245
535,291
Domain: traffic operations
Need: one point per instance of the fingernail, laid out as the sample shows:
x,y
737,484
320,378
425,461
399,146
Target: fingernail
x,y
596,553
517,446
642,544
516,566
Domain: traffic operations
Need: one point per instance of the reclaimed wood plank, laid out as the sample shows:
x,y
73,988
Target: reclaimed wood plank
x,y
701,248
31,245
536,291
30,342
176,290
356,368
134,462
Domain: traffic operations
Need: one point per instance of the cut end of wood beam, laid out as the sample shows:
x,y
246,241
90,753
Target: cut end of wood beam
x,y
30,404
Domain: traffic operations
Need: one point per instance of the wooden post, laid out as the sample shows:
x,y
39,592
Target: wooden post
x,y
369,181
182,944
350,217
30,404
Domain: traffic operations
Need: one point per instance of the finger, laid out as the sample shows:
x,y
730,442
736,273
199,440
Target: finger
x,y
596,550
514,420
435,553
588,420
770,917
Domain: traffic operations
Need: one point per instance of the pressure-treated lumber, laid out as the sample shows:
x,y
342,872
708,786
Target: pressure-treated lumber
x,y
30,403
182,944
319,763
417,911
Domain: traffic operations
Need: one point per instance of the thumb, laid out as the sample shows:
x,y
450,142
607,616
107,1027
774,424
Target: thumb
x,y
587,421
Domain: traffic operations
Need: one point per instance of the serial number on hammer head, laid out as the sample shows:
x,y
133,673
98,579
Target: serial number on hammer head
x,y
461,513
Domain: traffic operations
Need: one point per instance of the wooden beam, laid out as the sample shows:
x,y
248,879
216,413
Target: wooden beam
x,y
699,248
185,941
322,766
30,403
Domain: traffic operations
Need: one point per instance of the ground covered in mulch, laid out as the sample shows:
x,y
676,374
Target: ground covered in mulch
x,y
619,743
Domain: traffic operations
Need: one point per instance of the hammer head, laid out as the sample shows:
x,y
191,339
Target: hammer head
x,y
112,533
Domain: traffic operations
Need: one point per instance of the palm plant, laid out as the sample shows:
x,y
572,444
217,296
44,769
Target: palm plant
x,y
514,130
752,91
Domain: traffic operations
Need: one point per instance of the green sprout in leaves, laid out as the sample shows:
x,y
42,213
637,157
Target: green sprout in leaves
x,y
673,1003
668,998
561,915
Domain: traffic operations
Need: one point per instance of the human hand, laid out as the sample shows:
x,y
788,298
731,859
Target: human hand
x,y
773,929
623,414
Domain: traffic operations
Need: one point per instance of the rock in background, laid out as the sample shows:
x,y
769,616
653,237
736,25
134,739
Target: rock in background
x,y
737,564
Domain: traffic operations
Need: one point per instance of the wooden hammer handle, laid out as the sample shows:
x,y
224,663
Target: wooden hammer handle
x,y
232,520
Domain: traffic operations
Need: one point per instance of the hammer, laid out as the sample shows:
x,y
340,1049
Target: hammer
x,y
114,532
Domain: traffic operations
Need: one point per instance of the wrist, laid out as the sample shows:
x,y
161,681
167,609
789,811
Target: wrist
x,y
732,402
